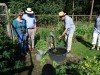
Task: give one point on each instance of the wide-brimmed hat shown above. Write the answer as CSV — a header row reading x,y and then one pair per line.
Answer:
x,y
29,11
62,13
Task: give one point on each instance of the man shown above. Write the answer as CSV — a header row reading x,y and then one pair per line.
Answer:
x,y
69,29
31,26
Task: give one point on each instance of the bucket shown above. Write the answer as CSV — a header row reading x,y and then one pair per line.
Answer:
x,y
59,55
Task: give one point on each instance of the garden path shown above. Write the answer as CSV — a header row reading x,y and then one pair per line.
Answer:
x,y
36,69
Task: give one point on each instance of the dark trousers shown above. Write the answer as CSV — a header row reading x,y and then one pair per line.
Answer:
x,y
22,43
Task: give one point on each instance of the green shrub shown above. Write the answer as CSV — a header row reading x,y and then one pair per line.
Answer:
x,y
84,30
19,64
89,66
45,20
7,52
41,45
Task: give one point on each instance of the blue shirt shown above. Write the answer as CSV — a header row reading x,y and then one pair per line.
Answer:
x,y
97,24
30,21
20,27
68,22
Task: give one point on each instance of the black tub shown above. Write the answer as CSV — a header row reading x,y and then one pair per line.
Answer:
x,y
59,55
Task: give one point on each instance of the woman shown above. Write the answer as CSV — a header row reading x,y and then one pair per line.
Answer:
x,y
19,26
96,33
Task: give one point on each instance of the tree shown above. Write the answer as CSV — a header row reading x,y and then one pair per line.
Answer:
x,y
91,10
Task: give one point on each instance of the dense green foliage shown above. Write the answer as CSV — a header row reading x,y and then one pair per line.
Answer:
x,y
8,59
39,6
84,30
53,7
87,66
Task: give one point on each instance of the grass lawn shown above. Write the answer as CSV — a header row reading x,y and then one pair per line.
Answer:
x,y
83,51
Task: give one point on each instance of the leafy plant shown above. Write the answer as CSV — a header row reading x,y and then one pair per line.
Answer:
x,y
7,52
41,45
19,64
84,30
89,66
2,65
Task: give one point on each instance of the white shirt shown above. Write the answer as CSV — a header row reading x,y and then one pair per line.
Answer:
x,y
30,21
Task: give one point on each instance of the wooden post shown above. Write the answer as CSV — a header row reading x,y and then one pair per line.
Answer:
x,y
76,19
91,11
73,10
8,26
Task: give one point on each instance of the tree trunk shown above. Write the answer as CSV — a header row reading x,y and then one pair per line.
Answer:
x,y
73,10
92,5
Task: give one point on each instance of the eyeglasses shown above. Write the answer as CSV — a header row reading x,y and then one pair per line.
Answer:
x,y
61,16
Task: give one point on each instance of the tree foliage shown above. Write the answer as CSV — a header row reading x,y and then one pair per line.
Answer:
x,y
54,6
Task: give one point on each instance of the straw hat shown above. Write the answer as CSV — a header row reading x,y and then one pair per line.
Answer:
x,y
62,13
29,11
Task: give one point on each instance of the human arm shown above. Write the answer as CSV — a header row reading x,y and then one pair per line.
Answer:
x,y
63,33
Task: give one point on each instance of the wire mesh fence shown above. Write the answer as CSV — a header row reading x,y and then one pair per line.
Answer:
x,y
47,20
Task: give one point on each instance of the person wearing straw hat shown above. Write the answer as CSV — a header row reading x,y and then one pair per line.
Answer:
x,y
69,29
31,26
19,27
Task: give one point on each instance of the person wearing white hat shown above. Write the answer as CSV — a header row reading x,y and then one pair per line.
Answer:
x,y
69,29
31,26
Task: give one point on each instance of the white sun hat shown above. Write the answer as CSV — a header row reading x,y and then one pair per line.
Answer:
x,y
62,13
29,11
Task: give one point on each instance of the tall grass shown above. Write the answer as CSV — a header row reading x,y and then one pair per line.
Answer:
x,y
84,30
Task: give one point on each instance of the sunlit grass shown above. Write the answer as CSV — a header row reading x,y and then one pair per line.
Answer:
x,y
81,50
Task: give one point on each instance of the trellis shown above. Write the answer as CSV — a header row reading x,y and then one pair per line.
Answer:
x,y
3,10
4,17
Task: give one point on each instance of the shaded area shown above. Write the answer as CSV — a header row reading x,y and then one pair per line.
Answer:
x,y
98,57
72,70
37,38
80,39
19,70
13,61
48,69
72,64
